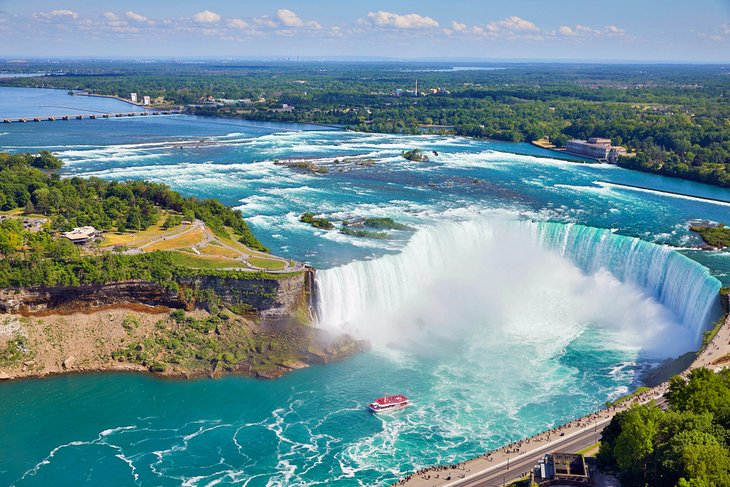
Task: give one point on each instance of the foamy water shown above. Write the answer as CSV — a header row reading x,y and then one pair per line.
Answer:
x,y
513,307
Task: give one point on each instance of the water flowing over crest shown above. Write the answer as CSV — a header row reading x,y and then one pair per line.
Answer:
x,y
679,283
543,282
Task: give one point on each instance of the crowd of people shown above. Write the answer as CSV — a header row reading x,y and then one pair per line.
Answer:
x,y
441,472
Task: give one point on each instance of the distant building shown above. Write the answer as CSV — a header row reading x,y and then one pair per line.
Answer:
x,y
133,97
596,148
146,101
82,235
562,469
284,108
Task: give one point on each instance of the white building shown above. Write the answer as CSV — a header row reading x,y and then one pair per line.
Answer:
x,y
82,235
146,100
596,148
133,97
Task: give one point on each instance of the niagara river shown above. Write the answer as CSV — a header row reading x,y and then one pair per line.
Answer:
x,y
531,291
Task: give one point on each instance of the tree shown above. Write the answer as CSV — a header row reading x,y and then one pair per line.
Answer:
x,y
704,391
635,444
63,250
41,198
698,455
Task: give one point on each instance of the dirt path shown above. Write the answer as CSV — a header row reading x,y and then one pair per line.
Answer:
x,y
210,237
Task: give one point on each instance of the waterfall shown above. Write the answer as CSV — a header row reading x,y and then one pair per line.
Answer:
x,y
679,283
365,290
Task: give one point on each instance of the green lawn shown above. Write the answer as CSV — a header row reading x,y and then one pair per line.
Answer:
x,y
199,262
269,264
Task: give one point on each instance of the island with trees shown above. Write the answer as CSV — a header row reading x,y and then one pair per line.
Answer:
x,y
717,236
107,275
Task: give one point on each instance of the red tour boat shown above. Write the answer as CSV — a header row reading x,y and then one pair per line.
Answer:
x,y
389,403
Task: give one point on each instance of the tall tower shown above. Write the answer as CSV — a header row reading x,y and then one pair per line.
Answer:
x,y
416,92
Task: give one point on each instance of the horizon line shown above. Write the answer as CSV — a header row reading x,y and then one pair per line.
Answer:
x,y
294,59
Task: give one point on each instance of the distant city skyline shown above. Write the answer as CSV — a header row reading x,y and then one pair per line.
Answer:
x,y
655,31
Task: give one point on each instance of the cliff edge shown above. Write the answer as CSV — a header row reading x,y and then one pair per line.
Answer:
x,y
252,324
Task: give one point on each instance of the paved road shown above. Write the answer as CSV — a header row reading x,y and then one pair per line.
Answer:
x,y
521,463
506,472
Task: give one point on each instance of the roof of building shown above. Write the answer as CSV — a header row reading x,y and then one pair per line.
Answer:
x,y
80,233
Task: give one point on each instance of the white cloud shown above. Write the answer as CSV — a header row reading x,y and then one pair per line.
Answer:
x,y
125,28
587,30
512,24
725,28
511,28
407,21
578,31
111,16
134,16
237,24
287,18
206,17
458,26
57,14
566,31
266,22
613,30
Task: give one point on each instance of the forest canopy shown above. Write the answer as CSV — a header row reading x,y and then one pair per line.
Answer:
x,y
685,446
675,119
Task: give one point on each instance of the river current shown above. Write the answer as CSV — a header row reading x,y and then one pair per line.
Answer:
x,y
531,291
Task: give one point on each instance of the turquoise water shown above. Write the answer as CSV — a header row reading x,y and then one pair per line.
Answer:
x,y
496,323
30,102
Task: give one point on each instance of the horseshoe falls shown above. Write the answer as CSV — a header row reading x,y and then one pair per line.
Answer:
x,y
674,280
508,268
533,291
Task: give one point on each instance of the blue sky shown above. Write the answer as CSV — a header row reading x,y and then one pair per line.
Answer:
x,y
635,30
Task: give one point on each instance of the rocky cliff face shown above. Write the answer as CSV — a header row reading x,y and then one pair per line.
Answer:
x,y
270,298
37,299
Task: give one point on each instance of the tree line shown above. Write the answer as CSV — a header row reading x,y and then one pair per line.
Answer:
x,y
26,182
38,257
674,117
684,446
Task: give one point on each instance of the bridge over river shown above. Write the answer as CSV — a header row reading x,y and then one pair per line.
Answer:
x,y
88,116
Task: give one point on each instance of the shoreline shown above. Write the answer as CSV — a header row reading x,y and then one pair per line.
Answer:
x,y
552,148
491,462
119,98
89,340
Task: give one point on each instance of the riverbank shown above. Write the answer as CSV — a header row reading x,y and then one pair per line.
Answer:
x,y
164,342
127,101
514,461
543,144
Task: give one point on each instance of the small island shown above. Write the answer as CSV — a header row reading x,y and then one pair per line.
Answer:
x,y
316,222
717,237
415,155
387,224
377,226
